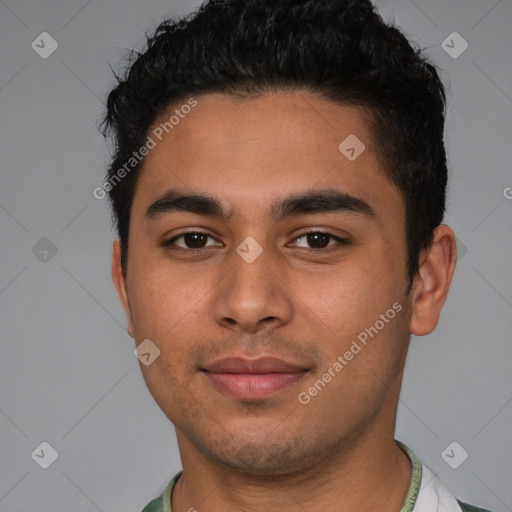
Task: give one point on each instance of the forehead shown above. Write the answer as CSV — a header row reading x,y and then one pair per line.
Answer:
x,y
249,151
275,123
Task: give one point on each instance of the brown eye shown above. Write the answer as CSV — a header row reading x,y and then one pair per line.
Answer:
x,y
192,240
195,240
317,240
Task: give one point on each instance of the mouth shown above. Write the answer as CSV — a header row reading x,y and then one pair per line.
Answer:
x,y
247,379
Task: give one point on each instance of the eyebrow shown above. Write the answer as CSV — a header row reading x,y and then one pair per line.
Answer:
x,y
323,201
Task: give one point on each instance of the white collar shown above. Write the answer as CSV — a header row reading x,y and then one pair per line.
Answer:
x,y
434,496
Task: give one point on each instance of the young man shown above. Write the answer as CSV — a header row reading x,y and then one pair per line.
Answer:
x,y
278,187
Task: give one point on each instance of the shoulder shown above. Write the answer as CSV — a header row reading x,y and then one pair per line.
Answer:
x,y
163,502
154,505
471,508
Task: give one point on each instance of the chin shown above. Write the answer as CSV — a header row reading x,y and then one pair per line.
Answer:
x,y
258,454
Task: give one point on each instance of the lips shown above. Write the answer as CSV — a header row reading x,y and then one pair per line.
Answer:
x,y
260,365
253,379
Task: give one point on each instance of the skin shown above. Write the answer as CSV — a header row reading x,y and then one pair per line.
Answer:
x,y
302,306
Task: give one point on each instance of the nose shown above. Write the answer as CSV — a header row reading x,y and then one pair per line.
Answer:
x,y
254,295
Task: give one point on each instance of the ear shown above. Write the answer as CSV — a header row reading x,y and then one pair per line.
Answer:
x,y
432,282
120,283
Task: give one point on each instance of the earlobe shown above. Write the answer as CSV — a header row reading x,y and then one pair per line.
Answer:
x,y
119,280
432,283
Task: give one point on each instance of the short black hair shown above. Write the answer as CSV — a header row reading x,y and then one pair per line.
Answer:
x,y
341,50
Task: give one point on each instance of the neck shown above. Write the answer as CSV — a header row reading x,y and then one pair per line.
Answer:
x,y
373,473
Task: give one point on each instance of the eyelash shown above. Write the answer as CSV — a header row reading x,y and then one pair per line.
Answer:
x,y
169,243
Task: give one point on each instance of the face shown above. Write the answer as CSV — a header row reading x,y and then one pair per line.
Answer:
x,y
299,253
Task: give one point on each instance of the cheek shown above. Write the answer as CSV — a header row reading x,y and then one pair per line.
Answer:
x,y
164,313
345,302
342,292
160,297
165,380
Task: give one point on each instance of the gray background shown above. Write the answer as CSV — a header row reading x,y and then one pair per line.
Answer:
x,y
67,369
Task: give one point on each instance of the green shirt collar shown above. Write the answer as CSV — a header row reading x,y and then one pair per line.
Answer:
x,y
414,485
